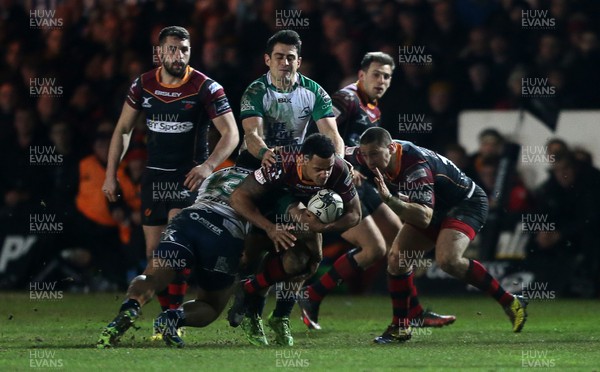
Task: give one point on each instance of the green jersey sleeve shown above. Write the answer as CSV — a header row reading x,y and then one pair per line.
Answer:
x,y
252,100
323,107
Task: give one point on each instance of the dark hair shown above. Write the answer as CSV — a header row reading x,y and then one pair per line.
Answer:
x,y
318,144
491,133
379,57
377,135
558,141
176,31
287,37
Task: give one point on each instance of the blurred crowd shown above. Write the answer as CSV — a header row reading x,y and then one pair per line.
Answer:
x,y
62,88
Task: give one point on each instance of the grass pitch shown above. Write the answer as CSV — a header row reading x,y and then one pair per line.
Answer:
x,y
61,334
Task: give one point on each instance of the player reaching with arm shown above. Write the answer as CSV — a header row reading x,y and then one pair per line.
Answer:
x,y
277,107
355,107
275,111
207,238
440,206
299,173
173,98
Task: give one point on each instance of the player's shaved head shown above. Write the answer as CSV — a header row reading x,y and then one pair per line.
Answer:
x,y
376,135
176,31
379,57
287,37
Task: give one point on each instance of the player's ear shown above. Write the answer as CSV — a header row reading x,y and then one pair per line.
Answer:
x,y
267,59
361,75
299,61
392,148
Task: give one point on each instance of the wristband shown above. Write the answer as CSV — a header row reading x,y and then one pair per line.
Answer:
x,y
261,152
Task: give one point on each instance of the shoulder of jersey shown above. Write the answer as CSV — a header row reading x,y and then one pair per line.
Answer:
x,y
257,86
148,77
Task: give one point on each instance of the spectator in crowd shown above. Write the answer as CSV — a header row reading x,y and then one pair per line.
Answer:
x,y
569,241
99,231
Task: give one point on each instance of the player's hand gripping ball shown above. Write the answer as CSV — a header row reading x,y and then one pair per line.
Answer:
x,y
327,205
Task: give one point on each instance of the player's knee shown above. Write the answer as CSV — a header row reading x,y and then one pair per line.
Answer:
x,y
295,262
375,252
449,264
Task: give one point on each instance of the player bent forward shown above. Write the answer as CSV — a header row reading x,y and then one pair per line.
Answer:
x,y
440,206
207,237
299,173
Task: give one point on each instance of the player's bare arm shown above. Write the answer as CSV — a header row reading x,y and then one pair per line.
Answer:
x,y
328,127
243,201
253,130
414,213
226,126
124,126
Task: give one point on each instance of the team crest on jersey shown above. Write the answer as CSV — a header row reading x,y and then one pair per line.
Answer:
x,y
305,113
146,102
246,106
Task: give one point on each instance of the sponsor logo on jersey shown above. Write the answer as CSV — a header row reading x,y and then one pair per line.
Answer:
x,y
284,100
167,94
260,178
419,173
221,105
213,87
169,126
188,105
324,96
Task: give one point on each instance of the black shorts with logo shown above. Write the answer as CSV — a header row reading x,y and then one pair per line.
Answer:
x,y
369,198
205,242
468,216
161,192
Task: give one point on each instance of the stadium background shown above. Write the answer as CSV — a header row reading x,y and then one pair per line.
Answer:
x,y
66,66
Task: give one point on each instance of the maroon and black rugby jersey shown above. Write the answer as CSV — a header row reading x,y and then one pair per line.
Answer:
x,y
287,172
354,113
425,176
177,116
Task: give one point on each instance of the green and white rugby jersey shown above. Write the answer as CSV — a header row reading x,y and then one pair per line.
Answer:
x,y
215,191
285,114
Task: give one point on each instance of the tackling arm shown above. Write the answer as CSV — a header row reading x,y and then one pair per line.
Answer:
x,y
328,127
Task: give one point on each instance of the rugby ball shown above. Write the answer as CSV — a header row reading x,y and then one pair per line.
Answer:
x,y
327,205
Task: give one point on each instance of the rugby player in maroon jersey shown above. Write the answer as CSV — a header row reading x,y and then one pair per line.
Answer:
x,y
177,101
355,108
440,207
300,172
